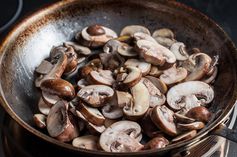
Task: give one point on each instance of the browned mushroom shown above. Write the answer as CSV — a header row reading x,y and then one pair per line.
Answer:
x,y
158,83
162,117
199,113
123,98
183,119
185,136
131,29
133,77
59,87
121,137
189,94
156,143
101,77
94,64
86,142
96,95
211,78
142,65
191,126
40,120
59,124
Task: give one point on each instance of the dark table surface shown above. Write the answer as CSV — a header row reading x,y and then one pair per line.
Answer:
x,y
224,12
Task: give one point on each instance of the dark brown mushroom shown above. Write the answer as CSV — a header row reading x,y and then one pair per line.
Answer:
x,y
94,64
190,126
199,113
156,143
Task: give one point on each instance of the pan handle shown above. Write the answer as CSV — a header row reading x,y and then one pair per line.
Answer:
x,y
225,132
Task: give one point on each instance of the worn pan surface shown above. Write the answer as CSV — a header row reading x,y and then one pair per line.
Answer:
x,y
30,42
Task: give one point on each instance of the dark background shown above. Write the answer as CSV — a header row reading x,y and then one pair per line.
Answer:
x,y
224,12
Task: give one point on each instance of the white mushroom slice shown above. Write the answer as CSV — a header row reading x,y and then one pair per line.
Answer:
x,y
155,53
59,124
156,97
93,115
185,136
173,75
179,50
142,65
126,50
88,142
80,50
166,42
163,32
155,71
191,126
102,77
131,29
140,104
143,36
184,95
121,137
133,77
123,98
96,95
49,99
158,83
111,110
44,68
95,129
82,83
40,120
43,107
163,118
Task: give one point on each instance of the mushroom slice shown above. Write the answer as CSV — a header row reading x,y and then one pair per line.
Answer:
x,y
59,87
158,83
133,77
156,97
185,93
131,29
155,71
49,100
121,137
88,142
80,50
183,119
82,83
96,95
166,42
173,75
109,122
191,126
148,127
72,61
155,53
111,110
93,115
43,107
211,78
95,36
185,136
163,32
201,68
126,50
156,143
179,50
94,64
102,77
143,66
123,98
40,120
59,124
143,36
199,113
162,117
44,68
140,104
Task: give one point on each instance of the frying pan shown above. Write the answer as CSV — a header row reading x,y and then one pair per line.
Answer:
x,y
31,40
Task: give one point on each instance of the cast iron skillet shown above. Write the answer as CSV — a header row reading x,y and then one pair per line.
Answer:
x,y
30,42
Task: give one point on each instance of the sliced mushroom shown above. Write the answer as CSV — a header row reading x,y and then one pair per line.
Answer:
x,y
143,66
155,53
166,42
111,110
199,113
80,50
133,77
162,117
173,75
82,83
140,104
126,50
72,60
95,129
155,71
192,92
44,68
96,95
143,36
86,142
43,107
183,119
156,97
158,83
101,77
179,50
49,100
163,32
59,124
202,66
185,136
191,126
211,78
59,87
93,115
40,120
94,64
156,143
131,29
121,137
109,122
123,98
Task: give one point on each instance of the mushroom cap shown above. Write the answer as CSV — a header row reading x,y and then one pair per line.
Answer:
x,y
95,95
162,117
199,113
142,65
59,87
190,91
133,77
191,126
121,137
86,142
179,51
131,29
140,104
156,143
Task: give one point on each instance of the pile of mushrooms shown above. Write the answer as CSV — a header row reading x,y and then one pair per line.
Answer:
x,y
108,92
